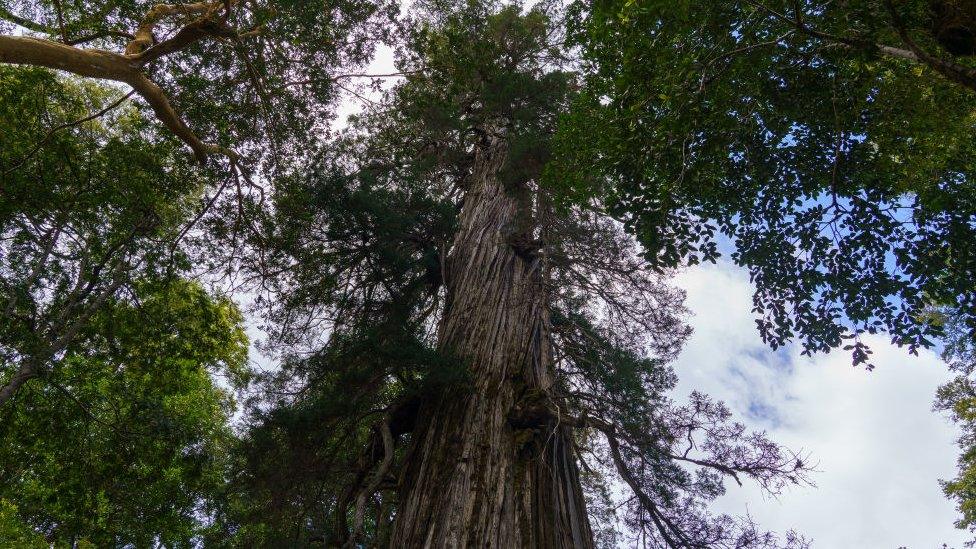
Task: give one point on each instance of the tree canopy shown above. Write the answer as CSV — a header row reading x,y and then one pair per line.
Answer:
x,y
226,78
830,144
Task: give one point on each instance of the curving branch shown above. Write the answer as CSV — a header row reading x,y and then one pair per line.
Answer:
x,y
26,372
104,65
144,38
97,36
672,534
357,524
192,32
128,68
955,72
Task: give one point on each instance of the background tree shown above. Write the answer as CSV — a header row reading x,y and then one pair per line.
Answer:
x,y
87,208
127,442
113,430
958,398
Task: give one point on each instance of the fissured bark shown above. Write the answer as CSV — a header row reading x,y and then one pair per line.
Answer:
x,y
473,476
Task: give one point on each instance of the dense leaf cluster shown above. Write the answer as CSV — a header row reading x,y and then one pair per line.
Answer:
x,y
126,442
841,174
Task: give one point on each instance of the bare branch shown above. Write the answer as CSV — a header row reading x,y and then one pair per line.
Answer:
x,y
143,38
192,32
370,488
140,51
672,535
24,22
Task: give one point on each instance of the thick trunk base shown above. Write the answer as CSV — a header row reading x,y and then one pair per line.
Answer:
x,y
475,477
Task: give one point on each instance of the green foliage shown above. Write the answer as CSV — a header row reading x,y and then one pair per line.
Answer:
x,y
507,79
51,163
841,175
85,209
14,531
352,242
127,442
958,399
113,170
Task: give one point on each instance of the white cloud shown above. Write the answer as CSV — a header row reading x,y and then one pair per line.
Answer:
x,y
879,448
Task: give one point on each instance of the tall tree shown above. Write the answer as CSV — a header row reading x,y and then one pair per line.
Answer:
x,y
482,339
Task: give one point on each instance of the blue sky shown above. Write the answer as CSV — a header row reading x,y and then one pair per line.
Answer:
x,y
879,448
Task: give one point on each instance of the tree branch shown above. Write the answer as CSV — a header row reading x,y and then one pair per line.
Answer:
x,y
955,72
672,535
24,22
144,39
26,372
127,68
105,65
192,32
368,490
96,35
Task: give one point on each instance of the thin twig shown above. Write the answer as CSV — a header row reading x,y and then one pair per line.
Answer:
x,y
64,126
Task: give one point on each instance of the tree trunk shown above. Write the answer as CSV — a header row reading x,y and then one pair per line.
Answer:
x,y
474,476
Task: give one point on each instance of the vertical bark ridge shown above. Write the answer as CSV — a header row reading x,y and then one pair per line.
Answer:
x,y
472,479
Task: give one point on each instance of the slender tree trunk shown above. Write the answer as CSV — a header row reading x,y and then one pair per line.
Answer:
x,y
475,477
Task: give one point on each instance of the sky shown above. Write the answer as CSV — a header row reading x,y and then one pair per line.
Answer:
x,y
878,447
